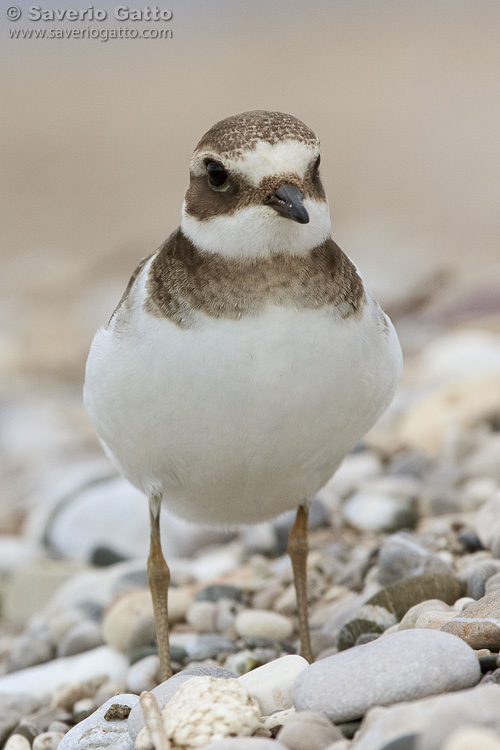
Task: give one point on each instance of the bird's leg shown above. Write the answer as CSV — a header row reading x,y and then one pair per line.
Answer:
x,y
297,549
159,581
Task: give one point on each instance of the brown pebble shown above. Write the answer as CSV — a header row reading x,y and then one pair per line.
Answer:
x,y
117,711
483,652
479,624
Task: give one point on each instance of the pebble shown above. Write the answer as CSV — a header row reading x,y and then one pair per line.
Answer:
x,y
206,708
369,620
492,584
209,646
17,742
307,730
47,741
44,678
479,624
374,511
96,731
430,605
165,690
202,615
400,596
477,491
463,603
382,725
346,685
29,587
484,461
271,685
217,591
84,636
478,576
495,545
404,742
355,469
463,403
242,661
401,556
487,521
32,647
143,674
83,708
255,623
131,615
434,620
265,597
472,738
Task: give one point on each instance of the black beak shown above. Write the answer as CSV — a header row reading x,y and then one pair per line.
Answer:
x,y
287,201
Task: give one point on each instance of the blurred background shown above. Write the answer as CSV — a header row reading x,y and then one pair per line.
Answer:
x,y
96,139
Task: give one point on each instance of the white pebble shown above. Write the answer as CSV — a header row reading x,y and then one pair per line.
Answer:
x,y
462,603
271,685
17,742
202,616
142,675
258,623
47,741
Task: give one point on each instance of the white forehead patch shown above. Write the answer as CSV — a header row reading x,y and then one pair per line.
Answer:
x,y
267,159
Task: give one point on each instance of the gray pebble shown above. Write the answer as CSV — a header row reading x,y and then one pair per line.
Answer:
x,y
82,637
371,620
307,730
433,717
218,591
401,556
346,685
12,707
377,511
405,742
97,732
476,580
492,584
31,648
209,646
143,674
495,545
165,690
411,463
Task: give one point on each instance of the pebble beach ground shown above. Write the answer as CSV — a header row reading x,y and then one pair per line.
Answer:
x,y
404,579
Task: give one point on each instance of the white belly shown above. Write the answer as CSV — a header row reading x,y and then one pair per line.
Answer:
x,y
238,421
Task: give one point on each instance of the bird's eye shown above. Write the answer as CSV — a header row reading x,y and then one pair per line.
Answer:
x,y
217,175
316,165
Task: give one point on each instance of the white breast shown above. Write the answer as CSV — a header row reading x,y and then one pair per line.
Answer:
x,y
238,421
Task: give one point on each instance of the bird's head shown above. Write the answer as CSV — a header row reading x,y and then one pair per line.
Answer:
x,y
255,188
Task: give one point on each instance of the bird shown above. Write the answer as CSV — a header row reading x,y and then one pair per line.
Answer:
x,y
246,357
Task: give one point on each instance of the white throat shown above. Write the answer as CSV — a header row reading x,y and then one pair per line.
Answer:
x,y
258,231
